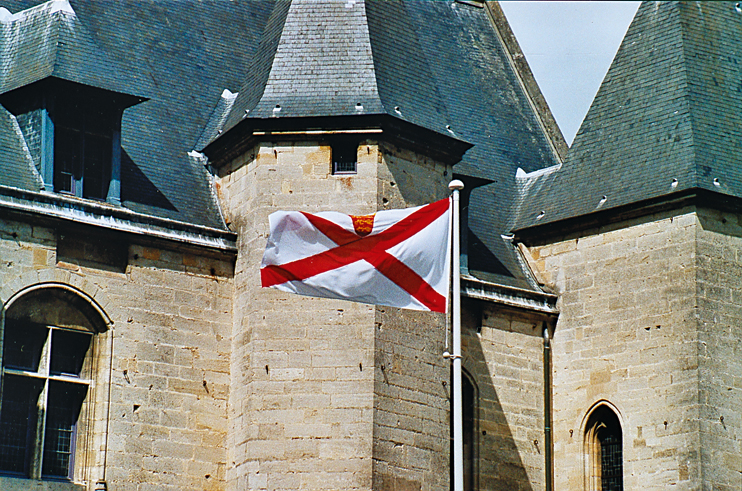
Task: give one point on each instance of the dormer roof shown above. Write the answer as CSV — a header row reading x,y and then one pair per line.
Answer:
x,y
47,41
447,72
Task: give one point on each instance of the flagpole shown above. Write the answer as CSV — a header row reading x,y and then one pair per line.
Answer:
x,y
458,441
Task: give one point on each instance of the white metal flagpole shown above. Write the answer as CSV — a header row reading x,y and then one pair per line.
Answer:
x,y
458,440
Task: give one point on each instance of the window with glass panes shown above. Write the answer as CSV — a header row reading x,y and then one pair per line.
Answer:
x,y
83,142
604,449
344,157
46,378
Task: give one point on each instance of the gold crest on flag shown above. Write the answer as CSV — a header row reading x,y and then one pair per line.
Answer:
x,y
363,224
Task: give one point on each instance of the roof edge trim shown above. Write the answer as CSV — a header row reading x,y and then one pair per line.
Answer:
x,y
118,219
541,302
688,197
523,175
241,137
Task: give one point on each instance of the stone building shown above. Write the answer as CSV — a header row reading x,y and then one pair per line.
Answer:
x,y
144,144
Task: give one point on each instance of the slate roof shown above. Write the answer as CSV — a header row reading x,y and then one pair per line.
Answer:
x,y
439,65
205,67
49,40
666,119
173,53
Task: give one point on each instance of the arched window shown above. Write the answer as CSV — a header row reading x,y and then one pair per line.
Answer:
x,y
468,413
48,346
604,450
469,402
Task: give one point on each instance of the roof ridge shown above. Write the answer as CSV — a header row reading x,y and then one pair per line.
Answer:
x,y
522,69
686,89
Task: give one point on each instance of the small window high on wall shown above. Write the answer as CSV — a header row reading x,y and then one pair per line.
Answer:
x,y
344,156
604,450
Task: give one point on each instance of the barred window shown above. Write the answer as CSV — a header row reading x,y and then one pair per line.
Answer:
x,y
344,157
46,378
604,450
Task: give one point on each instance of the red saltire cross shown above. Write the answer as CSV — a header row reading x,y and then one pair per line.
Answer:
x,y
372,249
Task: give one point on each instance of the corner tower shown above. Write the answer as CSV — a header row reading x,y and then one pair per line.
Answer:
x,y
638,232
354,106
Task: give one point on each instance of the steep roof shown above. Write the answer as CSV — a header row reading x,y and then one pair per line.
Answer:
x,y
449,67
49,41
451,70
666,119
173,53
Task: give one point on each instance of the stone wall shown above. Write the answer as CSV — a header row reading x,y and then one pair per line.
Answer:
x,y
161,382
302,367
503,353
719,290
311,406
627,335
411,429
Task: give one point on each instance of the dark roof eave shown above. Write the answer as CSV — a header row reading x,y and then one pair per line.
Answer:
x,y
243,136
11,98
541,233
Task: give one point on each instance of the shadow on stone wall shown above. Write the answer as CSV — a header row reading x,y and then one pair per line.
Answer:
x,y
499,463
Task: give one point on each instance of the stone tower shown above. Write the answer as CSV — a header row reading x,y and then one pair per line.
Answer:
x,y
143,146
639,234
327,394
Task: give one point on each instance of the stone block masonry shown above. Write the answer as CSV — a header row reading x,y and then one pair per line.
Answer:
x,y
646,317
503,354
310,405
158,408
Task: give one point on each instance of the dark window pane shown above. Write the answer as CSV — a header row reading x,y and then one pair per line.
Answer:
x,y
97,121
67,159
468,407
22,346
344,157
18,422
97,166
63,409
611,459
68,352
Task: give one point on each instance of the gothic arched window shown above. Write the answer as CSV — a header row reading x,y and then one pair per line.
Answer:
x,y
469,430
469,403
604,450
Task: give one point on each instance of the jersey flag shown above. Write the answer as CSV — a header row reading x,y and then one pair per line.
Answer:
x,y
397,258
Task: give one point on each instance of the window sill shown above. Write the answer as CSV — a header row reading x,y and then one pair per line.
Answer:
x,y
21,484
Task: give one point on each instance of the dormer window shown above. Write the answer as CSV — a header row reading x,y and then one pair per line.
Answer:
x,y
83,150
73,133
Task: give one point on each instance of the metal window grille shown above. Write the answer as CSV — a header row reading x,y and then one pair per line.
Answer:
x,y
344,158
604,445
611,462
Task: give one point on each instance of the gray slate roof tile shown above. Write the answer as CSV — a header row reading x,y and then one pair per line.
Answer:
x,y
441,63
667,109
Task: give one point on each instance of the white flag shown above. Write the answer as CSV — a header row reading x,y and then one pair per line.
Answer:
x,y
398,258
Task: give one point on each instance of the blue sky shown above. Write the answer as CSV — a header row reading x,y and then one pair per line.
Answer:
x,y
569,47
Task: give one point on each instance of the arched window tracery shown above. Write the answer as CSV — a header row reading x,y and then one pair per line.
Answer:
x,y
604,450
48,359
